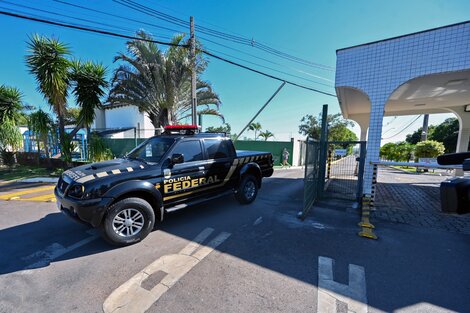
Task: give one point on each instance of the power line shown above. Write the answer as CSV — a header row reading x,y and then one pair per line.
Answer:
x,y
211,32
118,16
263,59
64,15
205,39
103,32
404,128
92,30
267,75
272,69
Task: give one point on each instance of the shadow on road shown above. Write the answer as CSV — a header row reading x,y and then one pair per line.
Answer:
x,y
268,234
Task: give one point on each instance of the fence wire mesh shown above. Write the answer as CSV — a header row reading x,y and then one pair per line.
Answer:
x,y
345,167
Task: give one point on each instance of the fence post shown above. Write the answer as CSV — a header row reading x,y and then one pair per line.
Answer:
x,y
360,174
323,149
330,157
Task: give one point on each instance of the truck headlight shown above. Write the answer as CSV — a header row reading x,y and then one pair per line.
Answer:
x,y
76,191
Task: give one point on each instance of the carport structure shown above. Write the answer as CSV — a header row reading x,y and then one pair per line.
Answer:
x,y
419,73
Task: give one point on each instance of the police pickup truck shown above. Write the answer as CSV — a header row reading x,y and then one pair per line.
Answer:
x,y
181,167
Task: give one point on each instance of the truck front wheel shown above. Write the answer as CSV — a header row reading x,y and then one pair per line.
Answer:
x,y
128,221
247,190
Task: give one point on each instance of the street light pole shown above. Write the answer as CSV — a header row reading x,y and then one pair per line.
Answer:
x,y
192,43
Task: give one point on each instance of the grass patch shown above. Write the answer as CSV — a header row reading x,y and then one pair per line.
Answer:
x,y
21,172
412,169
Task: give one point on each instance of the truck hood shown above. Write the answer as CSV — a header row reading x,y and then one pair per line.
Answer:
x,y
88,172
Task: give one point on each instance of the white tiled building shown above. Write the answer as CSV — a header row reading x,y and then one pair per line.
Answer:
x,y
424,72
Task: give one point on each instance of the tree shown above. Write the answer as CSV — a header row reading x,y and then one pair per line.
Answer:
x,y
42,125
255,127
415,137
429,149
10,114
447,132
398,152
88,86
48,62
55,74
266,135
71,116
159,82
225,128
337,127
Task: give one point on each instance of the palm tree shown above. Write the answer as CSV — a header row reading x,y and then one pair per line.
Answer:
x,y
266,135
256,127
42,125
159,83
10,114
89,83
48,62
55,74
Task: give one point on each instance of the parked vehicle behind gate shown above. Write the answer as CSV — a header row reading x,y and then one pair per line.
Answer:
x,y
165,173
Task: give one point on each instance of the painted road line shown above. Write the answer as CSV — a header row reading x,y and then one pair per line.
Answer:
x,y
13,195
330,291
50,253
134,296
44,198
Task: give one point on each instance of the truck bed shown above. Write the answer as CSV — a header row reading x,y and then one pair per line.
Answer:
x,y
246,153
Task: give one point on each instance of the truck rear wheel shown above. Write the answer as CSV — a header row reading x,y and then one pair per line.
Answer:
x,y
128,221
247,190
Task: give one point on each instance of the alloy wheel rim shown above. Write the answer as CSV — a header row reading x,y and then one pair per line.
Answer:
x,y
128,222
249,189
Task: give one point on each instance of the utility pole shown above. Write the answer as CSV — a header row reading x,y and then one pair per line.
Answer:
x,y
192,53
424,133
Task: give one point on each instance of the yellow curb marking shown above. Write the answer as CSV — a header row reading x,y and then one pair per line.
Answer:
x,y
15,195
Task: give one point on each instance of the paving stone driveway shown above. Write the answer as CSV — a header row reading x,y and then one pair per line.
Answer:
x,y
414,199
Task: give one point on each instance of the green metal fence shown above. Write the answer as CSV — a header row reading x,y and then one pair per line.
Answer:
x,y
345,170
275,147
120,146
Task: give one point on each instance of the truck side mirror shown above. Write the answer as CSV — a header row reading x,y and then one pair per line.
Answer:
x,y
177,158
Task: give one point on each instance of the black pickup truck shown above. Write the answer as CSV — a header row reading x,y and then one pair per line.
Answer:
x,y
165,173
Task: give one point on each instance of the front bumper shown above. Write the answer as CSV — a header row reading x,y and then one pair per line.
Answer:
x,y
85,211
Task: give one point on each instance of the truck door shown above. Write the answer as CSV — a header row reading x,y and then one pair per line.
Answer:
x,y
220,167
184,180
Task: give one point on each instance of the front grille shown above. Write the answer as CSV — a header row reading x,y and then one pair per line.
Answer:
x,y
62,185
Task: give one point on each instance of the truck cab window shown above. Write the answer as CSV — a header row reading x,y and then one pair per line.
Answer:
x,y
217,149
191,150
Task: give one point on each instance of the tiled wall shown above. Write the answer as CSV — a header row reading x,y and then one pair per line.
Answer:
x,y
379,68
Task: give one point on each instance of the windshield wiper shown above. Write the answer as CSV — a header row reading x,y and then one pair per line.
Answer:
x,y
136,158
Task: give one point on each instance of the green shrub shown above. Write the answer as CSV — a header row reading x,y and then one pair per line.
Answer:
x,y
429,149
99,151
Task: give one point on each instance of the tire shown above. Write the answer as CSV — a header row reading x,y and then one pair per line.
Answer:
x,y
247,189
128,221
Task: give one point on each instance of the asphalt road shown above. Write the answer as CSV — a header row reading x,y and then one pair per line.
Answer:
x,y
266,261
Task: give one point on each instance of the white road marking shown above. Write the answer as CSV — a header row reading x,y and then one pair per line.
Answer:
x,y
53,251
258,221
329,291
131,297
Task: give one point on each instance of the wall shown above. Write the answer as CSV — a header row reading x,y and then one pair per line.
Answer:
x,y
275,147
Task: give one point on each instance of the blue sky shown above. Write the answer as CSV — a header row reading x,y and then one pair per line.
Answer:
x,y
311,30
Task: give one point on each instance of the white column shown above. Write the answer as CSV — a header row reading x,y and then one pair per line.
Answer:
x,y
374,139
363,121
464,132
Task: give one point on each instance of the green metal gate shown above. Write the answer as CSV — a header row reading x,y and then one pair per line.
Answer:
x,y
345,170
343,178
312,180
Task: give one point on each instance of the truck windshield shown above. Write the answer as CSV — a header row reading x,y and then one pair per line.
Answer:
x,y
152,150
